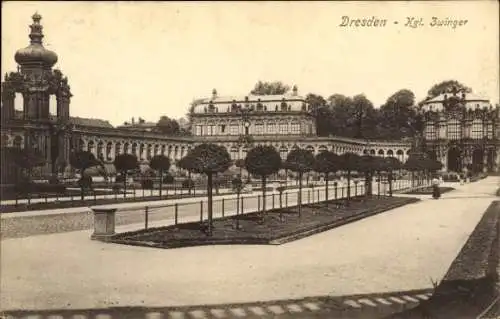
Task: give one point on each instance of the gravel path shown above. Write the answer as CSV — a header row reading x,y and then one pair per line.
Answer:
x,y
399,250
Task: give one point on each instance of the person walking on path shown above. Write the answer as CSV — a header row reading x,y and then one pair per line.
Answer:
x,y
435,188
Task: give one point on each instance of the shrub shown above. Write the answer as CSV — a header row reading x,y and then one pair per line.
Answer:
x,y
188,183
117,188
53,180
147,184
169,179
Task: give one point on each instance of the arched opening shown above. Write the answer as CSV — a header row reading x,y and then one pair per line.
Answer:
x,y
81,145
372,152
283,153
100,150
365,152
491,160
19,102
390,153
477,160
109,147
234,153
322,149
381,152
53,106
149,152
310,149
91,147
141,152
454,160
118,149
400,154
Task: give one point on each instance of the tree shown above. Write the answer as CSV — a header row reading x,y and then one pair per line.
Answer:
x,y
391,164
168,126
125,163
208,159
83,160
270,88
326,162
240,163
237,184
263,161
414,163
315,101
396,115
446,86
300,161
160,163
367,165
348,163
364,117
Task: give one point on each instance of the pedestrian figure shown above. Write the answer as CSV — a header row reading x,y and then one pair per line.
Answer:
x,y
435,188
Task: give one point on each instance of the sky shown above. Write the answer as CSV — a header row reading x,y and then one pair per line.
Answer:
x,y
147,59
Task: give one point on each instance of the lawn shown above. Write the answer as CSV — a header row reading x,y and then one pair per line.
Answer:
x,y
274,227
428,191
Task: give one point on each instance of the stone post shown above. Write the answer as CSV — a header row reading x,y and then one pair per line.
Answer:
x,y
104,223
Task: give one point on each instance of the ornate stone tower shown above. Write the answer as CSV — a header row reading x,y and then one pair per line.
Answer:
x,y
36,81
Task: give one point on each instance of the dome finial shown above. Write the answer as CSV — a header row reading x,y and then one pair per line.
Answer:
x,y
36,34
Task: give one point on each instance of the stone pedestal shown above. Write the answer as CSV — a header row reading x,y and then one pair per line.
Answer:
x,y
104,223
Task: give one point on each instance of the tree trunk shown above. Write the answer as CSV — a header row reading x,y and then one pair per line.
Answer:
x,y
326,188
378,183
299,198
125,184
263,197
348,185
389,176
209,195
237,209
189,184
161,181
82,193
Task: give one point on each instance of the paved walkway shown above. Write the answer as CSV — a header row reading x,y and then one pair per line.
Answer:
x,y
403,249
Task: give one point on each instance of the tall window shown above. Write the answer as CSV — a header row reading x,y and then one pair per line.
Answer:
x,y
199,130
271,128
259,129
234,153
295,128
234,129
477,129
489,130
430,131
211,130
283,153
454,130
283,128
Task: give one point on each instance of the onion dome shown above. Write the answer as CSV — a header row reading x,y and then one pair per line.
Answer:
x,y
35,54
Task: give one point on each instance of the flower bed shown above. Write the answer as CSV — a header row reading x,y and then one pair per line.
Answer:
x,y
274,227
428,191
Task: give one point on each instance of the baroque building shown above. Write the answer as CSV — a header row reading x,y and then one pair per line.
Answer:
x,y
461,130
237,123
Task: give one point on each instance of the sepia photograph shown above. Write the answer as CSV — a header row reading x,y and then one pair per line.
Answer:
x,y
240,159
